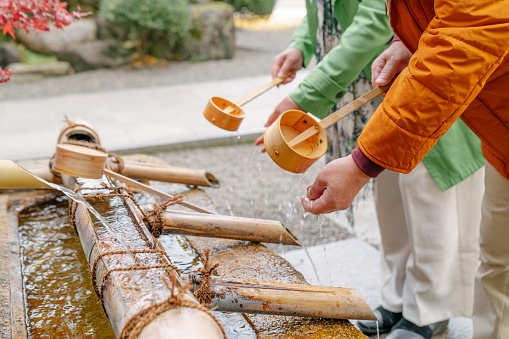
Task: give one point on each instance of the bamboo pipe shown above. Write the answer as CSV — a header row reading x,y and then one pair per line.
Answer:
x,y
340,114
118,299
13,176
180,175
83,162
229,227
260,297
152,190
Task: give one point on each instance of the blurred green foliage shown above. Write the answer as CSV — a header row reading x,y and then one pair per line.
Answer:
x,y
84,5
256,7
148,22
31,57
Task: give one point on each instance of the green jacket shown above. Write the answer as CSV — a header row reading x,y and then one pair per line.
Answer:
x,y
366,33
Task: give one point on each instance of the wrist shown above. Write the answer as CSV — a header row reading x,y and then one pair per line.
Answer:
x,y
367,166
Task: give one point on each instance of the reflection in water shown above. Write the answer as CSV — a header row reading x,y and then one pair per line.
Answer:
x,y
59,296
60,300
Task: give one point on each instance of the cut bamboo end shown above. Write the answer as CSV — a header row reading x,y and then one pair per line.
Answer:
x,y
229,227
224,114
300,157
13,176
78,129
179,175
79,161
236,295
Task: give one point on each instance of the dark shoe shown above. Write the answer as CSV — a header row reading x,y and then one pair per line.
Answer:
x,y
404,329
386,320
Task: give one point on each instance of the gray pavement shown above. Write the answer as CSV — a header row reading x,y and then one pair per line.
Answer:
x,y
160,108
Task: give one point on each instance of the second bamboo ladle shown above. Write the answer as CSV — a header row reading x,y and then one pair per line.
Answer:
x,y
228,115
83,162
296,140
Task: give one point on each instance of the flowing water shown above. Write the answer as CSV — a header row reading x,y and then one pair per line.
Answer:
x,y
59,296
60,300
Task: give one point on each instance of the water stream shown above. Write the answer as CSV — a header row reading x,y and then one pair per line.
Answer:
x,y
59,296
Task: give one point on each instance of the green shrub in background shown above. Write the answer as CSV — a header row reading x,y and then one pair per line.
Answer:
x,y
84,5
257,7
148,22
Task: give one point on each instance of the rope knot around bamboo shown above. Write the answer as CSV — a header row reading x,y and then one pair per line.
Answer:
x,y
137,323
153,220
203,292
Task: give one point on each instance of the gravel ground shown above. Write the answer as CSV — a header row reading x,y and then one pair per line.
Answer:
x,y
251,184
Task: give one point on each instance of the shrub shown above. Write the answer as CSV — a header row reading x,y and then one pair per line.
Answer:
x,y
148,21
257,7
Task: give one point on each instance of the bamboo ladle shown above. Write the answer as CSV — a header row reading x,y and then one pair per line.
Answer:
x,y
295,140
83,162
228,115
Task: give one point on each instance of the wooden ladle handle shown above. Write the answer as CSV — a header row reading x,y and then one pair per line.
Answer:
x,y
263,89
152,190
258,92
340,114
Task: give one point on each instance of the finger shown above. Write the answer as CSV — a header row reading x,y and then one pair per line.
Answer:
x,y
276,65
259,141
289,78
273,117
376,69
388,72
318,206
316,190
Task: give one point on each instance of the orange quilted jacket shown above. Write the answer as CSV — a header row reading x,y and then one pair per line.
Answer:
x,y
460,68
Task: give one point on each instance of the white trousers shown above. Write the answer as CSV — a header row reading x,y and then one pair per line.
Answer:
x,y
491,307
429,244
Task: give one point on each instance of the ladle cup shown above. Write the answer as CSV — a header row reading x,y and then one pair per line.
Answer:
x,y
296,140
83,162
228,115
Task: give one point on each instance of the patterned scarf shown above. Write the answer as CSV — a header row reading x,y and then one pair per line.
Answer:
x,y
342,136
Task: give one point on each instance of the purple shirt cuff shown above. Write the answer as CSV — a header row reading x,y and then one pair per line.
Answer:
x,y
367,166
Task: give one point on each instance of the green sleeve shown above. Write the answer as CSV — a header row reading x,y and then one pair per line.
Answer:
x,y
303,41
361,42
455,156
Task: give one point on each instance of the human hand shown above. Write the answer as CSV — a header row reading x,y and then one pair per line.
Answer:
x,y
289,60
286,104
335,187
391,62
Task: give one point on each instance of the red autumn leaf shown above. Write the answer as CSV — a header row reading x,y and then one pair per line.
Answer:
x,y
33,14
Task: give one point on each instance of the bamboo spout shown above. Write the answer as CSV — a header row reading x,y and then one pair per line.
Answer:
x,y
260,297
14,177
229,227
180,175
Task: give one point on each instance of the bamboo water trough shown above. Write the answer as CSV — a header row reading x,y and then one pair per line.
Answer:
x,y
107,258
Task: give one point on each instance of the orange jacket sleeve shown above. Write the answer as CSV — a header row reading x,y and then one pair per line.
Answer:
x,y
464,44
